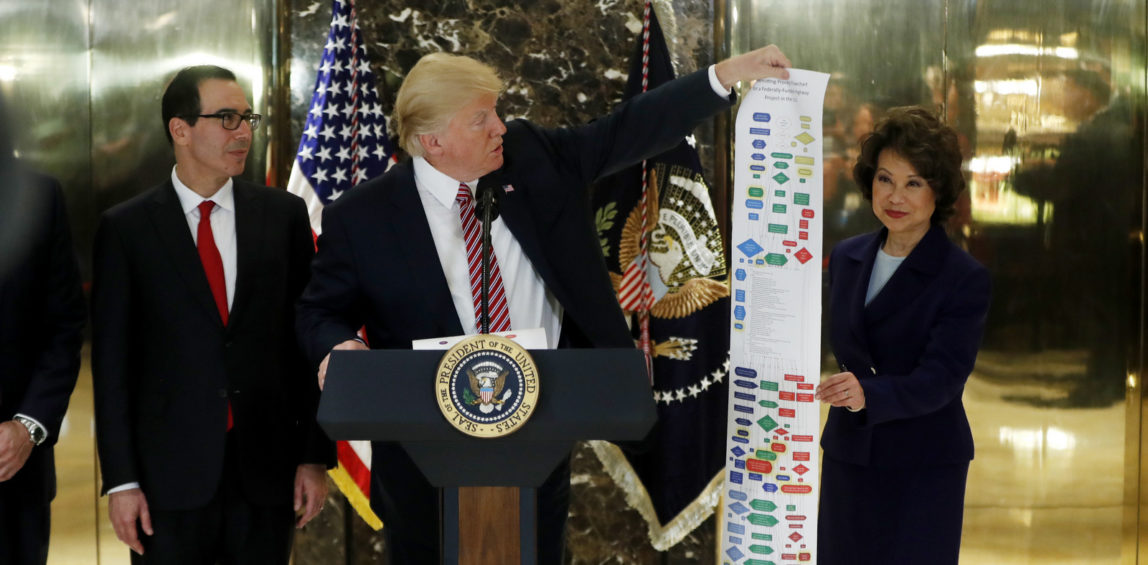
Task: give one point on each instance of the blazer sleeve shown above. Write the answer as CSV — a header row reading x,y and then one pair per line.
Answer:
x,y
641,127
326,314
950,354
62,318
315,446
111,313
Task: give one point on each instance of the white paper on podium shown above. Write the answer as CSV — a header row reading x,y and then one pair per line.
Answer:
x,y
532,338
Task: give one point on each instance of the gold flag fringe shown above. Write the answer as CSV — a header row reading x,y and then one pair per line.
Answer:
x,y
355,496
662,537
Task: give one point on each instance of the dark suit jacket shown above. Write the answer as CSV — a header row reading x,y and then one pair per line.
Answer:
x,y
912,349
377,265
165,367
41,315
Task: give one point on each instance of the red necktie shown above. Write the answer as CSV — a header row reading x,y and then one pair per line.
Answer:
x,y
213,267
472,233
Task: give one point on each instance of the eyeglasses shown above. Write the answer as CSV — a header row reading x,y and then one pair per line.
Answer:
x,y
231,120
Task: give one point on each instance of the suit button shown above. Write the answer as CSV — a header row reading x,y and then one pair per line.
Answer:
x,y
228,344
223,393
873,370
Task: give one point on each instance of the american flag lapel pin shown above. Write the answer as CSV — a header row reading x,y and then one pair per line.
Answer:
x,y
508,188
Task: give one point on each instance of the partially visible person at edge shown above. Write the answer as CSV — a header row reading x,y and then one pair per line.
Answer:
x,y
907,312
393,257
41,330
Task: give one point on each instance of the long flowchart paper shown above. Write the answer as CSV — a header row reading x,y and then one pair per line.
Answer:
x,y
770,506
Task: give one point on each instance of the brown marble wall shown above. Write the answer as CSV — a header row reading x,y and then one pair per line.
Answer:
x,y
565,63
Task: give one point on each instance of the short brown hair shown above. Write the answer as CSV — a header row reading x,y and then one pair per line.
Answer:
x,y
434,89
930,146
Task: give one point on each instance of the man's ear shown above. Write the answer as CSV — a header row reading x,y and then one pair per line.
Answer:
x,y
431,143
179,129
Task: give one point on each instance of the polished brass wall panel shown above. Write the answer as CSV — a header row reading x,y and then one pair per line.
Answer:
x,y
1048,99
136,48
44,80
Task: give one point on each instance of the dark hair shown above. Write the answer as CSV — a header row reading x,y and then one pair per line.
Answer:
x,y
181,98
931,147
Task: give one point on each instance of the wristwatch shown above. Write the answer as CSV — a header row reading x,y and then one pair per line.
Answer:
x,y
35,431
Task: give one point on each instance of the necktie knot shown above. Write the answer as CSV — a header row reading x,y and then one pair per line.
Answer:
x,y
205,208
463,197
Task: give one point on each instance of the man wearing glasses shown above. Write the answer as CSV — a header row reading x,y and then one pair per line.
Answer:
x,y
205,409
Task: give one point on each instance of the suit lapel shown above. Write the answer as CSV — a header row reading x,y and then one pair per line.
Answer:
x,y
250,231
912,277
413,237
170,224
520,221
862,259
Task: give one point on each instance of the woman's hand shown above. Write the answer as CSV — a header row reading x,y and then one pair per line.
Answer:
x,y
842,389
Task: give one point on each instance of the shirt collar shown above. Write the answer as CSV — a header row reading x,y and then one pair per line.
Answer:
x,y
189,199
437,184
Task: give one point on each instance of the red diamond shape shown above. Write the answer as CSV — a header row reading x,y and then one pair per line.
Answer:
x,y
804,255
795,536
801,469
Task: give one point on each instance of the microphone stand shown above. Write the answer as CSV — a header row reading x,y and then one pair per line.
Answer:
x,y
487,201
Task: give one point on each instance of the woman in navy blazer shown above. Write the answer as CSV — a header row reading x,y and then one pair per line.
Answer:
x,y
907,311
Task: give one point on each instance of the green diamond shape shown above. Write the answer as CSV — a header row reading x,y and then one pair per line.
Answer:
x,y
780,178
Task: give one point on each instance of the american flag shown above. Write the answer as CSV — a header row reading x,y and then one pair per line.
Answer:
x,y
344,143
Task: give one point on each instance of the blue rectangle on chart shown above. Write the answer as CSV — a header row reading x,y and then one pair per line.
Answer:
x,y
739,463
761,116
735,528
744,396
739,295
735,477
759,131
754,217
754,203
742,409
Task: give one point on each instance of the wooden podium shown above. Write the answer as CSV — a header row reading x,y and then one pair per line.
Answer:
x,y
488,502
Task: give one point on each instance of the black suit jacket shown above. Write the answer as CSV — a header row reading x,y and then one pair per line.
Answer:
x,y
165,367
912,349
377,266
41,315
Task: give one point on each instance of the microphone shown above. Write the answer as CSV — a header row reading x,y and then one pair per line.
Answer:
x,y
487,195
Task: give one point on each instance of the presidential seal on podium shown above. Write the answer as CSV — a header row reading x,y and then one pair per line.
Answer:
x,y
487,386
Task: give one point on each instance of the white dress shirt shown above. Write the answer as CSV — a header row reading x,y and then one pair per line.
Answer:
x,y
222,227
531,304
222,224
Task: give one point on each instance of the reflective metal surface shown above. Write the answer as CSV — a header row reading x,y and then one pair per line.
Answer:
x,y
136,48
1049,100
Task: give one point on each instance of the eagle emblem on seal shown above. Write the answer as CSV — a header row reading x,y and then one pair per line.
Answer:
x,y
487,381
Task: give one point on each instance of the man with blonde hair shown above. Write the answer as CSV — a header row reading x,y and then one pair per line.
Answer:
x,y
393,256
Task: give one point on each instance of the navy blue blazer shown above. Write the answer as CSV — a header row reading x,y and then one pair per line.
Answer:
x,y
42,316
377,266
912,349
165,368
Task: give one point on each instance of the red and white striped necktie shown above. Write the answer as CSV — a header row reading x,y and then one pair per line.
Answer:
x,y
472,233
